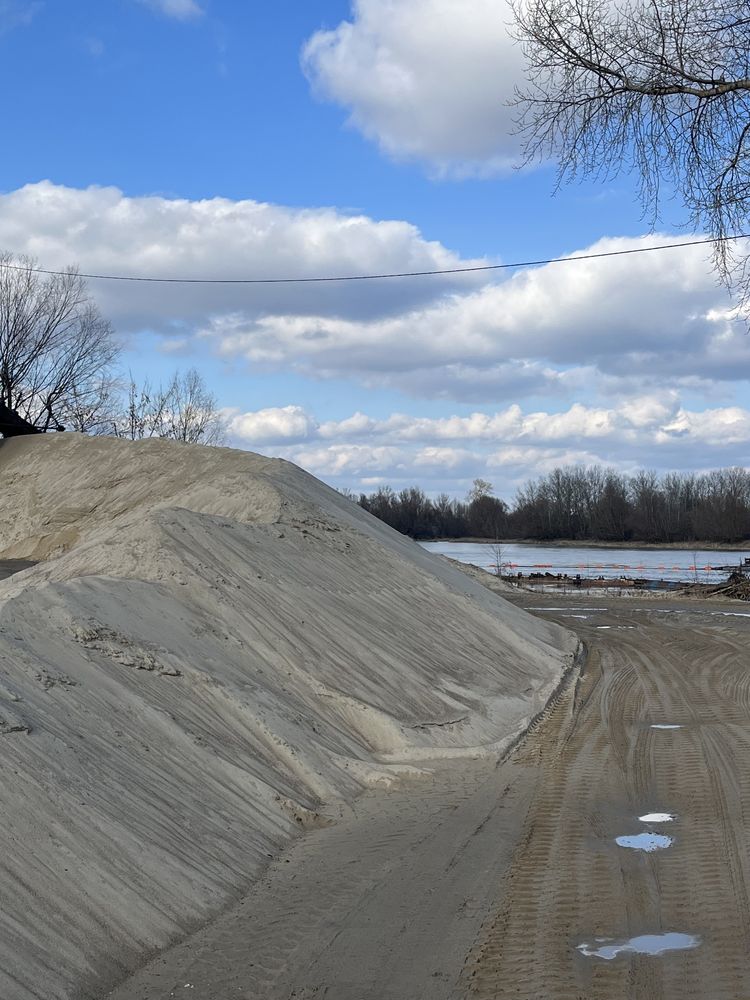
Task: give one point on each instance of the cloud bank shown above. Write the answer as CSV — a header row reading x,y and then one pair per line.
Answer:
x,y
565,330
634,359
507,446
548,330
428,80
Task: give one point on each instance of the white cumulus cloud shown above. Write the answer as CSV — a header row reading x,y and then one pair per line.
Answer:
x,y
427,79
549,330
181,10
105,231
274,424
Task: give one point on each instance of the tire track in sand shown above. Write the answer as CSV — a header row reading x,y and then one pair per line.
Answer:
x,y
570,883
517,866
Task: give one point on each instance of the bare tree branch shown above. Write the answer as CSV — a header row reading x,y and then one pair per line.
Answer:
x,y
55,347
183,411
657,87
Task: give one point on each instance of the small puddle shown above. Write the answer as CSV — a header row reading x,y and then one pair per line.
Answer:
x,y
643,944
657,818
647,842
665,725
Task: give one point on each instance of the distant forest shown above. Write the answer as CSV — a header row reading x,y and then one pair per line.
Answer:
x,y
581,504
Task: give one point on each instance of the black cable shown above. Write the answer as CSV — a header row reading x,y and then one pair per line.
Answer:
x,y
373,277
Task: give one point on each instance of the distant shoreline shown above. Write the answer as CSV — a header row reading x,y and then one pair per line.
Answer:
x,y
565,543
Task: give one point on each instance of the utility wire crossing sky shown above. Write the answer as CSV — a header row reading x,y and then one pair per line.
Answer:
x,y
373,277
304,156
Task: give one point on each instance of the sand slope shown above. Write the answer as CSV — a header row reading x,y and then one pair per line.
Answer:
x,y
214,646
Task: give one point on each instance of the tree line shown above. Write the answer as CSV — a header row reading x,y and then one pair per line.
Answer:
x,y
581,504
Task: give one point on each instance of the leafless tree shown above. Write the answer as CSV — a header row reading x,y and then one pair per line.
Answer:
x,y
480,488
193,411
694,567
486,515
185,410
93,409
141,412
498,554
55,346
660,87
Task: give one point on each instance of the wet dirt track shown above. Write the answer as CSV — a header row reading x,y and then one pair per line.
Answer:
x,y
600,767
483,882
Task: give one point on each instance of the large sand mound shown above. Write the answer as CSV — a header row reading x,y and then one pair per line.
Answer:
x,y
214,649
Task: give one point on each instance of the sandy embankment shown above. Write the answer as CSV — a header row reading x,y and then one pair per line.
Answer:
x,y
215,649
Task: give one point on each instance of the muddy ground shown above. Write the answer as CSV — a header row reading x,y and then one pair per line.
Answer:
x,y
482,881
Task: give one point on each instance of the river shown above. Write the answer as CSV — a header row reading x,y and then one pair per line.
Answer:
x,y
702,565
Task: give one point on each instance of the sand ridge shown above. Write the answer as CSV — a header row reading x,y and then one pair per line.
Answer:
x,y
215,651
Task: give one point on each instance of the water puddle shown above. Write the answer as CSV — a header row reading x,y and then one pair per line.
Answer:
x,y
642,944
647,842
657,818
665,725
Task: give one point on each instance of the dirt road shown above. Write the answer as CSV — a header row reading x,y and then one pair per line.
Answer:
x,y
483,882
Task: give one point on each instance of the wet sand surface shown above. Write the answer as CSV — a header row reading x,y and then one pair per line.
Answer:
x,y
508,881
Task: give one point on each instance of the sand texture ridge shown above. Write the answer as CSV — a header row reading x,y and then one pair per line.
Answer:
x,y
213,651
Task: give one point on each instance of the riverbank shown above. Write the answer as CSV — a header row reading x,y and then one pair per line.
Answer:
x,y
568,564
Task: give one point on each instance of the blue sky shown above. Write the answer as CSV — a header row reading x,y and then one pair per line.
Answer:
x,y
209,137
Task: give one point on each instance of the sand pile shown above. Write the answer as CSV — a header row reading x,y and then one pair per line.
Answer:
x,y
214,651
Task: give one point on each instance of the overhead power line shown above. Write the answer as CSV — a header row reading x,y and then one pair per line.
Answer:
x,y
374,277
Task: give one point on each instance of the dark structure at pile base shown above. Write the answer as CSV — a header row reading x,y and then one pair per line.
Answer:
x,y
11,425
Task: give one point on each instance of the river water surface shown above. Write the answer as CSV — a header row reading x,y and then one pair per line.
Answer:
x,y
656,564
